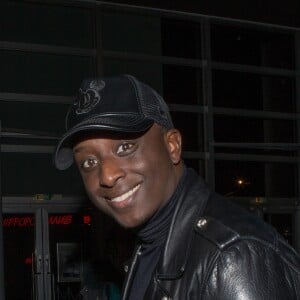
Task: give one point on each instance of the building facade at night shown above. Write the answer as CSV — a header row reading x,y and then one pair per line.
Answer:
x,y
230,76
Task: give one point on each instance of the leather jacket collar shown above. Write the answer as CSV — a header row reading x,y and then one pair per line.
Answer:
x,y
187,212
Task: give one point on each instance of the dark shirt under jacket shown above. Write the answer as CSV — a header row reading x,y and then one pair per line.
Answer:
x,y
151,238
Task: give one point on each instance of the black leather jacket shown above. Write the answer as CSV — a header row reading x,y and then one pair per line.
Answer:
x,y
216,250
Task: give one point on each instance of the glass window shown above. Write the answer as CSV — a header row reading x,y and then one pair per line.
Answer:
x,y
182,85
252,47
251,91
279,131
278,93
258,179
30,174
280,179
191,128
35,73
147,72
18,241
259,150
133,33
42,117
228,174
46,24
243,129
181,38
237,129
283,224
195,164
236,90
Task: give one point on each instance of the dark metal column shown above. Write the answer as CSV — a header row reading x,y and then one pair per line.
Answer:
x,y
42,266
208,104
2,291
296,229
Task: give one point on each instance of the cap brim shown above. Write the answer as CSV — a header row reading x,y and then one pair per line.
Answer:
x,y
63,156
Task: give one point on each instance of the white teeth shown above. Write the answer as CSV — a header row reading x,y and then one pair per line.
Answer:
x,y
126,195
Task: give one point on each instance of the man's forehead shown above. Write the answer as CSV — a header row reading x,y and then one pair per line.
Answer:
x,y
83,136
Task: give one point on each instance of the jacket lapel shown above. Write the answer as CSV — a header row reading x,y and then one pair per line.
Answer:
x,y
190,207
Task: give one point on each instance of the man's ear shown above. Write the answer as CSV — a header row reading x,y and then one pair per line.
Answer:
x,y
173,140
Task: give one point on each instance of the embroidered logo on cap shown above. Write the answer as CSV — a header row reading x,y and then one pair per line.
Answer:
x,y
87,99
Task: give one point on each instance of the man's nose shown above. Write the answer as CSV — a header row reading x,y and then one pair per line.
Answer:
x,y
110,172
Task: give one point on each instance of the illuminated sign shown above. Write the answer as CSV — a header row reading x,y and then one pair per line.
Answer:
x,y
28,221
18,222
60,220
87,220
28,261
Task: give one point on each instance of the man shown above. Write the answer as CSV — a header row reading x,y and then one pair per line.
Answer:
x,y
191,242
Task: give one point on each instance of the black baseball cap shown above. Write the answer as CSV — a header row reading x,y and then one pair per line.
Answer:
x,y
120,104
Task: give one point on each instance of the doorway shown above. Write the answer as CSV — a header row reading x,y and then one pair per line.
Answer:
x,y
18,239
62,251
44,254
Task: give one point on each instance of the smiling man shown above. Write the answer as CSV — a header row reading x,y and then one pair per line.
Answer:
x,y
191,243
130,176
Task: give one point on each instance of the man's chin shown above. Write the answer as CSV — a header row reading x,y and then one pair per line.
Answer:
x,y
130,223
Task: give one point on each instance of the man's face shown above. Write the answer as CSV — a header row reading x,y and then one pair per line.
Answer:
x,y
130,178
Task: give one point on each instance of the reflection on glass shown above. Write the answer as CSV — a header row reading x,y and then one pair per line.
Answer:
x,y
66,237
262,179
86,256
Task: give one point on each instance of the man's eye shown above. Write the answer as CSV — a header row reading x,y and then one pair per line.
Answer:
x,y
124,148
89,163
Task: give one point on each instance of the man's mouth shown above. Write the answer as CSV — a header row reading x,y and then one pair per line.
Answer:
x,y
125,195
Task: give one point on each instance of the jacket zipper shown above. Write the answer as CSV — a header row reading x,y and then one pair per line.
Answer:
x,y
130,271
